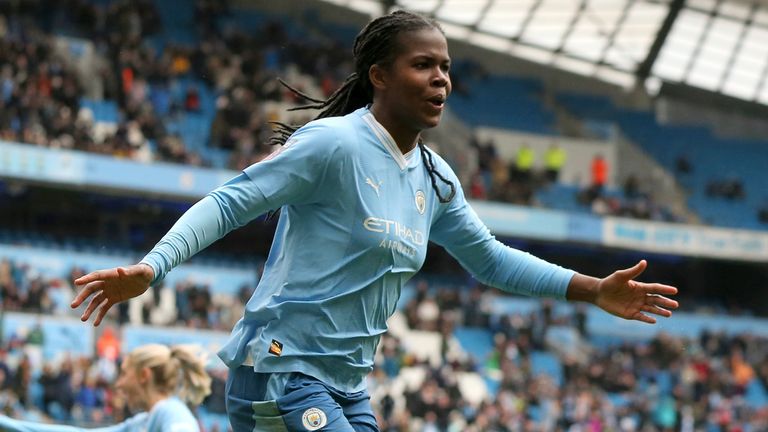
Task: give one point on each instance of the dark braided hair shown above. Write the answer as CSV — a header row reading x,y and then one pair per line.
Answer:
x,y
375,44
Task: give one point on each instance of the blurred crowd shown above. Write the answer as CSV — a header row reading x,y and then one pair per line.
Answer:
x,y
41,88
518,181
696,383
43,85
72,389
701,382
185,304
668,383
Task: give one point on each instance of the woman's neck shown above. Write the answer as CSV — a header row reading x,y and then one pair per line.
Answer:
x,y
154,398
405,137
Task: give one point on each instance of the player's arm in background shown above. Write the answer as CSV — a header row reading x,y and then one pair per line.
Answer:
x,y
7,424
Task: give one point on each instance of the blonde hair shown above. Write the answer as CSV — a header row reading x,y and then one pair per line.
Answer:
x,y
178,369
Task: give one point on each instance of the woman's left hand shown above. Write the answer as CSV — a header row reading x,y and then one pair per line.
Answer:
x,y
620,295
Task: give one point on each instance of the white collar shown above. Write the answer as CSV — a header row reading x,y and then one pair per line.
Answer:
x,y
389,143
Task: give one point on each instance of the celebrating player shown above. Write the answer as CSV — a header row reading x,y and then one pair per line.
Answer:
x,y
359,196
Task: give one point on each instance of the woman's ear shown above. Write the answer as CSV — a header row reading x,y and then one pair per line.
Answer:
x,y
377,76
144,375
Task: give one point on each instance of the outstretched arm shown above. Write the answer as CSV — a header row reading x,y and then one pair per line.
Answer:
x,y
289,177
464,235
8,424
228,207
620,295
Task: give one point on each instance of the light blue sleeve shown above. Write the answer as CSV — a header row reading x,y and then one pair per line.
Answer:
x,y
230,206
8,424
172,415
461,232
291,175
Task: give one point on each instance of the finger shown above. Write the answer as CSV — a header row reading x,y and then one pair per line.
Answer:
x,y
90,277
657,288
644,318
92,305
657,311
660,301
85,293
94,276
102,312
633,271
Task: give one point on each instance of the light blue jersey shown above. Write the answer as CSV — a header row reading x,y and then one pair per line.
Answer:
x,y
356,215
168,415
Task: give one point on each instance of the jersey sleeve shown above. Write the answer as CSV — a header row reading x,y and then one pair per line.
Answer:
x,y
7,424
296,172
461,232
230,206
292,175
177,419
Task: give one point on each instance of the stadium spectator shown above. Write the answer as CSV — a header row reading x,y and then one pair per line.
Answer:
x,y
762,212
632,187
192,100
554,159
477,189
599,170
523,166
683,164
592,195
731,188
158,382
398,90
108,344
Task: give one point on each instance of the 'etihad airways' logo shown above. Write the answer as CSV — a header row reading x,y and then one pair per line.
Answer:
x,y
386,226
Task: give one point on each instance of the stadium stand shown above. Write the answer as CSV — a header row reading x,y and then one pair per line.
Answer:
x,y
729,197
192,85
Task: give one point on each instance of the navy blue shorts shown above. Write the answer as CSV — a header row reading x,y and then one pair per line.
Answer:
x,y
293,402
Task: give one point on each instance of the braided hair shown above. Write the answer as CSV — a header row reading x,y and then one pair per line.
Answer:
x,y
375,44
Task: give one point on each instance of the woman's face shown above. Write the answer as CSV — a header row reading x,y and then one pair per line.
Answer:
x,y
413,89
131,385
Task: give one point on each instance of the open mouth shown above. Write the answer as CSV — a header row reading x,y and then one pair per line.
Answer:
x,y
437,101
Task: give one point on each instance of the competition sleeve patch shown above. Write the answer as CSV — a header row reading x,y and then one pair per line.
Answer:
x,y
280,149
276,348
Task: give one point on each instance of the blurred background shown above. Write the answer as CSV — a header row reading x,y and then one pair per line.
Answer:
x,y
592,133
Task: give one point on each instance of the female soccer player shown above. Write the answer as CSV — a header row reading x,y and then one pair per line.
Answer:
x,y
158,382
359,197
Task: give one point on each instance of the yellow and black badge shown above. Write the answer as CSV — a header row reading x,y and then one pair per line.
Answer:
x,y
275,348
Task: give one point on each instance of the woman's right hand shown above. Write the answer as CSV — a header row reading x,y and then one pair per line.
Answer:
x,y
109,287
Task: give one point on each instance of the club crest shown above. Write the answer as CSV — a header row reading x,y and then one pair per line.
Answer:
x,y
421,202
313,419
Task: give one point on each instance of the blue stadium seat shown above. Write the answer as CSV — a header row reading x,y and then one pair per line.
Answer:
x,y
561,197
103,111
756,395
478,342
505,102
747,159
544,362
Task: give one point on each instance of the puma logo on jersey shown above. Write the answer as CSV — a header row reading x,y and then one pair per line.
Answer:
x,y
373,184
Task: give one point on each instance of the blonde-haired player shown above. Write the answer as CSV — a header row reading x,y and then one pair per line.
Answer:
x,y
157,381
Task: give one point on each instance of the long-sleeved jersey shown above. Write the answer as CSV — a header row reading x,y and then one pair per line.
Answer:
x,y
355,218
